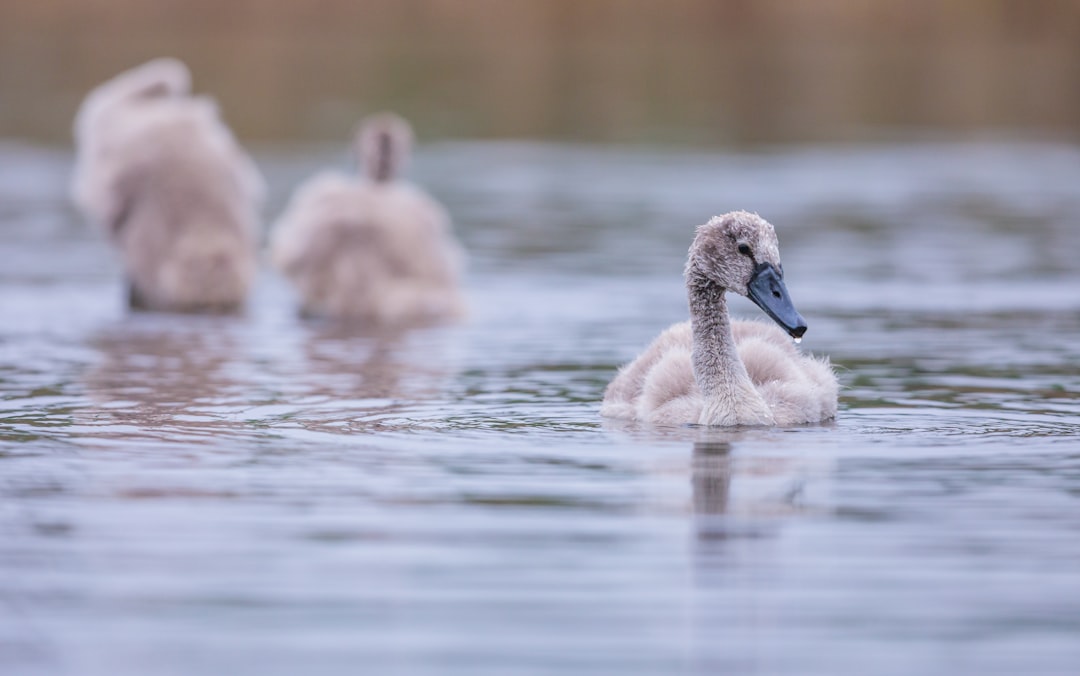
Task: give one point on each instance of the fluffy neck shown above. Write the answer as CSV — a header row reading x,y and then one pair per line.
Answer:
x,y
730,397
383,152
382,167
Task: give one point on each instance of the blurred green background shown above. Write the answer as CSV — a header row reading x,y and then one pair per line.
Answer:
x,y
731,73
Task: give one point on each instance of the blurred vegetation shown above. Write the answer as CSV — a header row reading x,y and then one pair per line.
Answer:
x,y
679,71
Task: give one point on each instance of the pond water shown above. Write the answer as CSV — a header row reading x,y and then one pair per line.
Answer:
x,y
259,495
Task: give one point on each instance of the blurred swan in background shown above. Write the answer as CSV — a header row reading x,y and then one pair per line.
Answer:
x,y
373,248
714,371
159,172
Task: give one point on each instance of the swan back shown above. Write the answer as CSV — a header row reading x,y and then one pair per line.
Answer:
x,y
797,388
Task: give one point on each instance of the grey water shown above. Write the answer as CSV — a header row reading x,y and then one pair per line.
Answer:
x,y
262,495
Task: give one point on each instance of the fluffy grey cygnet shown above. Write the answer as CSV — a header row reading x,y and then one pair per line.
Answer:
x,y
715,371
372,248
159,172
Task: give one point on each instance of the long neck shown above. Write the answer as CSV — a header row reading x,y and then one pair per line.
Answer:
x,y
382,156
730,395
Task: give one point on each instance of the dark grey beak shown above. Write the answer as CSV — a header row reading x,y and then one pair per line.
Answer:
x,y
767,289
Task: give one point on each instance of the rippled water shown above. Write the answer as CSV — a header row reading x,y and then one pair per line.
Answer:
x,y
258,495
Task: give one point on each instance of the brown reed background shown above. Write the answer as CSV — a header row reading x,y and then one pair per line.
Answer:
x,y
670,71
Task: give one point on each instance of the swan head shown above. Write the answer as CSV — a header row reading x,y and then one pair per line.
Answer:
x,y
738,252
384,143
159,78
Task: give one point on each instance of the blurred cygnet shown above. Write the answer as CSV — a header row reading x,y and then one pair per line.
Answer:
x,y
159,172
373,249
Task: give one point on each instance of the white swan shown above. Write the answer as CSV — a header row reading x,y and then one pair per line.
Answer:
x,y
713,371
159,172
372,248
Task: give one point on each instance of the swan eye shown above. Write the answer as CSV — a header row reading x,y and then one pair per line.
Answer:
x,y
744,249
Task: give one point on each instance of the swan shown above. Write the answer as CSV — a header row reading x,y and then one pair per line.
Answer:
x,y
714,371
372,248
161,175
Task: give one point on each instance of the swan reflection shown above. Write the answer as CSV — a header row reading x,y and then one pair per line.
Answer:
x,y
710,476
165,376
754,483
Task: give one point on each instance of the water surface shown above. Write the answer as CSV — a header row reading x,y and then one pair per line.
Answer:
x,y
260,495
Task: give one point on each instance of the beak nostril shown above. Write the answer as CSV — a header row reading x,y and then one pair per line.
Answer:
x,y
776,294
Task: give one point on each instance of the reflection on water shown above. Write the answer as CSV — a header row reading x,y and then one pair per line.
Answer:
x,y
190,378
151,377
348,366
711,476
346,362
258,494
